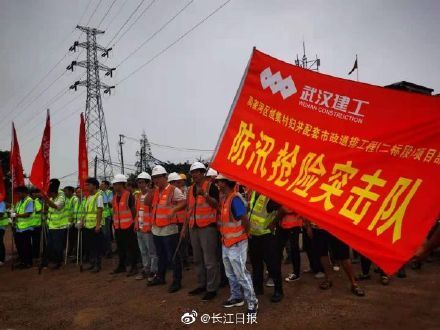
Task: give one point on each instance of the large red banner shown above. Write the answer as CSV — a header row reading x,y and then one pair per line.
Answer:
x,y
15,165
40,173
361,161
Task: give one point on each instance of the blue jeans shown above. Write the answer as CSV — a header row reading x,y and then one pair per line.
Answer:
x,y
234,259
165,247
148,251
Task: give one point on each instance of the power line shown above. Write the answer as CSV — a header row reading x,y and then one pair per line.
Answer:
x,y
126,21
96,8
135,21
155,33
170,147
106,13
173,43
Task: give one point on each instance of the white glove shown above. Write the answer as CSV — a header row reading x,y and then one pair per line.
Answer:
x,y
13,215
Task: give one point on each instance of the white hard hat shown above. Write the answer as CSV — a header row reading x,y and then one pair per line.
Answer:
x,y
144,175
197,166
174,177
158,170
211,172
221,177
119,178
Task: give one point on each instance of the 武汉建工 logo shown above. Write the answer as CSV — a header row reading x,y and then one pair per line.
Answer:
x,y
285,86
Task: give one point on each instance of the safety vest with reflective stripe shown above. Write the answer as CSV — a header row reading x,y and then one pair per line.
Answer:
x,y
20,208
258,216
162,206
69,209
78,209
57,219
199,211
122,217
291,220
142,223
107,206
36,216
4,220
91,211
232,230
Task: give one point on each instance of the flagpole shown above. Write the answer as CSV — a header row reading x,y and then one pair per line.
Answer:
x,y
357,69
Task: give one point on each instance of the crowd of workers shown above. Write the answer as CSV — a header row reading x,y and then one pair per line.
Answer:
x,y
158,220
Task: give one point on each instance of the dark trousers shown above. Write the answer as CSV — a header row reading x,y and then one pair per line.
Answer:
x,y
126,242
366,265
23,242
165,248
292,236
73,241
184,246
2,245
56,241
36,239
312,255
93,243
264,250
107,235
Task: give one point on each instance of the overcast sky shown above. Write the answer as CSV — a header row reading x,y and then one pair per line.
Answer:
x,y
182,98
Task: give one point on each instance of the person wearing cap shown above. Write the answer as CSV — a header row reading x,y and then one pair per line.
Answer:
x,y
91,224
211,174
124,212
178,180
234,228
203,199
165,202
57,221
143,228
22,216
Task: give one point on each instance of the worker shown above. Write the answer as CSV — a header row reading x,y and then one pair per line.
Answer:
x,y
91,224
4,221
57,220
143,228
124,213
263,246
22,218
69,193
107,195
211,174
288,230
324,242
234,228
178,181
203,202
165,202
36,223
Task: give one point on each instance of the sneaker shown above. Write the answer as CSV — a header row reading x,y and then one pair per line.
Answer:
x,y
133,271
150,276
385,280
253,308
156,281
319,275
233,303
336,268
363,277
209,295
176,286
95,270
277,296
142,275
269,283
307,270
292,278
197,291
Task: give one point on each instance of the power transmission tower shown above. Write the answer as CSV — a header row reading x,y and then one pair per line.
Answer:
x,y
146,161
305,63
97,138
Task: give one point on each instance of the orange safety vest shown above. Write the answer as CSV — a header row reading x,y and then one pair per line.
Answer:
x,y
144,225
162,206
232,230
122,217
291,220
204,214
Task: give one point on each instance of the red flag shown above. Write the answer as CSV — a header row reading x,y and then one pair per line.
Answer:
x,y
360,161
40,173
83,163
2,185
17,176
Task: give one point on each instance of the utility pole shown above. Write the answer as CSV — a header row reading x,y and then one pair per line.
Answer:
x,y
144,154
305,63
97,138
121,142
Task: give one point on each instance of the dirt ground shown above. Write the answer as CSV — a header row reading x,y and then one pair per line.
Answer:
x,y
67,299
